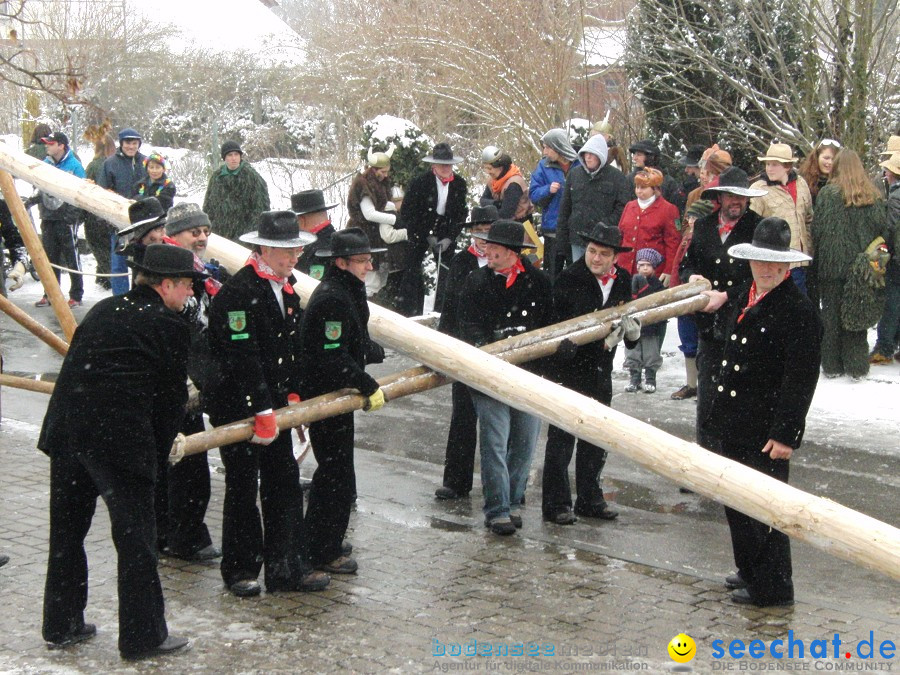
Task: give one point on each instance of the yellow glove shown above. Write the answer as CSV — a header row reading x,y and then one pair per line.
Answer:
x,y
375,401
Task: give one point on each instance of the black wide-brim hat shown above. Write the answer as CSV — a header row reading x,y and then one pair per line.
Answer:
x,y
278,229
347,242
692,157
166,260
735,181
606,235
309,201
771,243
442,154
508,233
145,215
482,215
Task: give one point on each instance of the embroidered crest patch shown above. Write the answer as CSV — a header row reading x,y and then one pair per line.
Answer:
x,y
237,321
317,271
333,330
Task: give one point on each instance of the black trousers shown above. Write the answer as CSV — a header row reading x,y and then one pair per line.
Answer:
x,y
333,487
182,495
58,239
462,439
75,484
762,554
556,492
278,540
709,361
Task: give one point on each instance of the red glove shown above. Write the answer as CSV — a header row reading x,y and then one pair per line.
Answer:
x,y
265,429
294,399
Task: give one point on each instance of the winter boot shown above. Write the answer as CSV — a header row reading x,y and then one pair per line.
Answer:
x,y
649,381
635,383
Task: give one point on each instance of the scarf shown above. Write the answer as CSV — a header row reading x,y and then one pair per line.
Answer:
x,y
321,226
726,228
144,188
498,185
644,203
211,285
609,276
265,272
444,180
512,272
474,251
755,297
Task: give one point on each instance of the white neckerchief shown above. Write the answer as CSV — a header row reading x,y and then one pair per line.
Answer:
x,y
279,296
442,190
644,203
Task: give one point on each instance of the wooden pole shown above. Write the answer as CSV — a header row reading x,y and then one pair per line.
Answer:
x,y
17,382
37,253
829,526
34,327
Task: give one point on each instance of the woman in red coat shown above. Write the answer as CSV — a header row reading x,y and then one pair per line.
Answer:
x,y
649,222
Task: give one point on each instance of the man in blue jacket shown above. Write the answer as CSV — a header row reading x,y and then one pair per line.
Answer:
x,y
121,174
59,221
546,191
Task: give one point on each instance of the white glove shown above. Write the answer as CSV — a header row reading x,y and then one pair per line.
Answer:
x,y
390,206
177,452
632,328
615,336
17,276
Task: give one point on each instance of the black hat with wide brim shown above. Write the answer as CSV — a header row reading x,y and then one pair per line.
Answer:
x,y
309,201
771,243
508,233
278,229
145,215
606,235
166,260
442,154
733,180
692,157
482,215
347,242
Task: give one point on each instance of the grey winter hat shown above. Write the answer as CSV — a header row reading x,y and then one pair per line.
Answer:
x,y
185,216
558,140
771,243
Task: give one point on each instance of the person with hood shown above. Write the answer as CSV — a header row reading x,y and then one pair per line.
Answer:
x,y
121,173
506,188
546,191
37,149
236,194
594,192
615,155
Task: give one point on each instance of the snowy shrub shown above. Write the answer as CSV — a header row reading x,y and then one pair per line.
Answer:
x,y
410,143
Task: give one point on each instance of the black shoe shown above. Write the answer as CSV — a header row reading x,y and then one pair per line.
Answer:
x,y
245,588
742,597
346,548
561,517
502,526
86,632
340,565
444,493
3,560
516,520
205,554
734,581
310,583
601,511
170,645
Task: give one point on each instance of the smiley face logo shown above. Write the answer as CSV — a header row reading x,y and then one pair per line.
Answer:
x,y
682,648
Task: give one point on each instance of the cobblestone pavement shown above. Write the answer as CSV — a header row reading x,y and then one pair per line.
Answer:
x,y
433,586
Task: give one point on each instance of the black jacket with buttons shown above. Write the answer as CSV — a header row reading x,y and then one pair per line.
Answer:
x,y
708,256
769,369
254,348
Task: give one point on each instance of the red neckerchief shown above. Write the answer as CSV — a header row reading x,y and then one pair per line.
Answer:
x,y
211,285
512,272
265,272
791,189
321,226
726,228
753,298
609,276
443,180
474,251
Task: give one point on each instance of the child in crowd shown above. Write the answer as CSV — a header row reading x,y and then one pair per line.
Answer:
x,y
157,183
646,354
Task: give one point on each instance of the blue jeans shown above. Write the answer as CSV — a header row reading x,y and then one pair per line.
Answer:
x,y
117,264
687,333
798,274
508,437
889,325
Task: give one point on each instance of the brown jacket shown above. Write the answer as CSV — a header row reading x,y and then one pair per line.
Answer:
x,y
779,204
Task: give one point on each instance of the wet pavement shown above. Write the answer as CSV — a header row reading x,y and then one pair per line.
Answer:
x,y
437,593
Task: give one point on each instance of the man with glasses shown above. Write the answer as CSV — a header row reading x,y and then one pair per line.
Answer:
x,y
334,349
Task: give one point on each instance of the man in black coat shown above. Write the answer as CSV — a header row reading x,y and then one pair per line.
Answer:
x,y
462,437
334,349
767,378
312,217
506,297
433,211
127,362
707,258
591,283
254,337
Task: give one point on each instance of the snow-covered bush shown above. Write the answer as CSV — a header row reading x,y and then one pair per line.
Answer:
x,y
409,142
